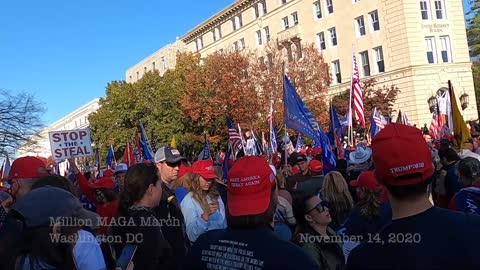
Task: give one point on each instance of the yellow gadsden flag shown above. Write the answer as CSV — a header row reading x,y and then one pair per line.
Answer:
x,y
173,143
461,133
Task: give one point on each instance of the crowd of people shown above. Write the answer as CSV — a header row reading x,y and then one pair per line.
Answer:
x,y
401,202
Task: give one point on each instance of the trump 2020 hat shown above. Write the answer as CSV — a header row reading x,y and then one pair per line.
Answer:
x,y
249,185
401,156
204,168
168,154
27,167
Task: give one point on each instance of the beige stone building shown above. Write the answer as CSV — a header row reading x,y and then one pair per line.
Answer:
x,y
417,45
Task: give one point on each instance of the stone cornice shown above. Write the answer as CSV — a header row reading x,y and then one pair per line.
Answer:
x,y
217,19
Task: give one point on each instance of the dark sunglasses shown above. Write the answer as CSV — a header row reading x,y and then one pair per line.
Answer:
x,y
321,207
174,164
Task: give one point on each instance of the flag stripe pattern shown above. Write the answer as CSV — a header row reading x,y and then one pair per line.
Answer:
x,y
435,125
357,94
234,136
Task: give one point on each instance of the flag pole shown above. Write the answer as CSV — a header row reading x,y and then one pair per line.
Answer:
x,y
350,120
285,120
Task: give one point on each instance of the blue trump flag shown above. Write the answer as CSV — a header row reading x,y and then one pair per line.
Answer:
x,y
299,144
298,117
205,153
225,165
146,151
110,156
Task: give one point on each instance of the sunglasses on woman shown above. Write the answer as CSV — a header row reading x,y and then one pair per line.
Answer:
x,y
321,207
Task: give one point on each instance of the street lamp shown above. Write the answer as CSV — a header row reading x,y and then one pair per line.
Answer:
x,y
464,101
432,103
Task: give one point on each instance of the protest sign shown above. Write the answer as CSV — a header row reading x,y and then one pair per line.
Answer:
x,y
70,143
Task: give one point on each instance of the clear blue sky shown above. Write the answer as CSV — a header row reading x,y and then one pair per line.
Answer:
x,y
65,52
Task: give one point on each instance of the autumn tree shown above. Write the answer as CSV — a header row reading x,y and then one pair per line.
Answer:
x,y
383,98
306,69
218,85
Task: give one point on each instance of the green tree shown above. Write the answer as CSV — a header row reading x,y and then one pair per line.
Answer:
x,y
473,28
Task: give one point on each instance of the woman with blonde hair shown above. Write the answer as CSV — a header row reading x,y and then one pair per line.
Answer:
x,y
203,208
335,192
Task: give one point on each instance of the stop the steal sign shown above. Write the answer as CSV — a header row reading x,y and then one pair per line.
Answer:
x,y
70,143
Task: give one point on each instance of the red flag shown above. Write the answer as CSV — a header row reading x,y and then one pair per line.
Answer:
x,y
357,94
128,156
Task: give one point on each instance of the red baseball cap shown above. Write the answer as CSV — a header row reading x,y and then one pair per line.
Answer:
x,y
27,167
204,168
103,182
183,170
401,156
108,173
315,166
367,180
249,186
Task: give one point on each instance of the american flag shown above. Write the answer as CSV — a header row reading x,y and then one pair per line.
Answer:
x,y
402,118
436,125
357,94
234,136
153,142
379,120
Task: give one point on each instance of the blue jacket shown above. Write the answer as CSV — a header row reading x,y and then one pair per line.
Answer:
x,y
192,212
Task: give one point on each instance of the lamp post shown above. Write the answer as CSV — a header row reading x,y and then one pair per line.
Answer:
x,y
432,103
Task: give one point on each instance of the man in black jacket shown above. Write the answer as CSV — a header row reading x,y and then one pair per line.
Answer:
x,y
167,160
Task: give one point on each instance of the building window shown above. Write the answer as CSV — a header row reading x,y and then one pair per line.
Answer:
x,y
285,23
235,46
333,36
336,71
259,38
144,70
240,21
365,63
317,10
379,59
138,75
295,18
234,25
255,11
264,7
153,66
267,33
446,51
284,2
164,63
86,120
321,41
242,43
218,30
199,44
329,6
360,26
440,9
424,9
374,20
130,77
430,47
